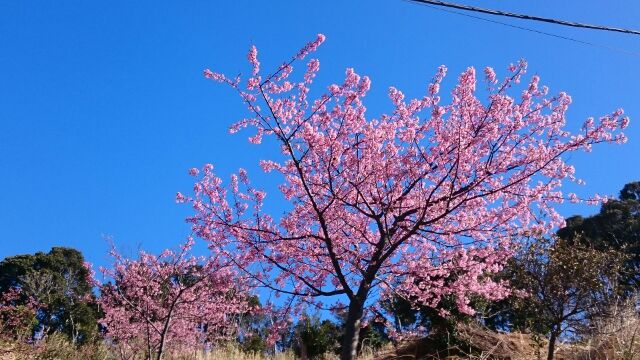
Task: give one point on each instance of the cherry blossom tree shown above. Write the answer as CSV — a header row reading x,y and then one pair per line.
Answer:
x,y
169,301
17,315
424,201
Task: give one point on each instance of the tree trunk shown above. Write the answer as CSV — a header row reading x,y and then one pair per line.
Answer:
x,y
163,337
149,352
352,330
303,351
165,329
552,343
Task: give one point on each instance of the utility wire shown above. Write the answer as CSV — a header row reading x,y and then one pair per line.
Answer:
x,y
610,48
526,17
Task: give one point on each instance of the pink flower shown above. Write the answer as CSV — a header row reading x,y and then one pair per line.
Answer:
x,y
624,123
490,75
252,56
573,198
194,172
312,67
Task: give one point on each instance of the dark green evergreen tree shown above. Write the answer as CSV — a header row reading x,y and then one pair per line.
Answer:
x,y
313,337
616,226
60,283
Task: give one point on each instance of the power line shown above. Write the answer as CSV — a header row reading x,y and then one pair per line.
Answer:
x,y
526,17
605,47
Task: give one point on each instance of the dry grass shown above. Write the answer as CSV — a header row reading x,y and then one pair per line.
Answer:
x,y
233,353
614,338
619,340
617,336
482,344
57,348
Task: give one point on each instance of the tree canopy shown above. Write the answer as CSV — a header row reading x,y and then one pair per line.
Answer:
x,y
397,203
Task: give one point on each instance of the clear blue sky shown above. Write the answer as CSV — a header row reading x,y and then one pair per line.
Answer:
x,y
103,107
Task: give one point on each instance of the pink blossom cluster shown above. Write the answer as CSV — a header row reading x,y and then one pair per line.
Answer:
x,y
310,47
16,315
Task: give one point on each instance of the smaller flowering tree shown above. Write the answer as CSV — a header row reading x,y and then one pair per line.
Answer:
x,y
17,315
170,301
